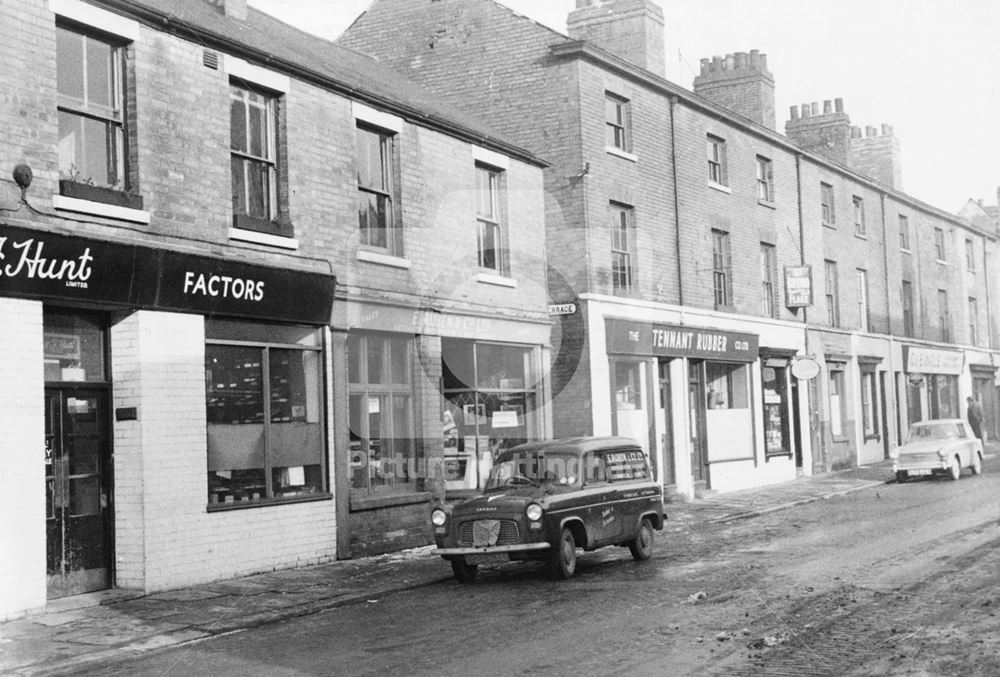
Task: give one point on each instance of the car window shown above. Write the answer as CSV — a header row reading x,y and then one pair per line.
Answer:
x,y
595,469
626,465
937,431
535,469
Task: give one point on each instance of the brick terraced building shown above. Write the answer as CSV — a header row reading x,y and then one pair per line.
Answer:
x,y
253,288
748,305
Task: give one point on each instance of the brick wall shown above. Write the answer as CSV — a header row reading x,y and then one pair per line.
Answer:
x,y
22,420
165,537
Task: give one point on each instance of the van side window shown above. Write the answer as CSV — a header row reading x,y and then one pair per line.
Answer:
x,y
626,464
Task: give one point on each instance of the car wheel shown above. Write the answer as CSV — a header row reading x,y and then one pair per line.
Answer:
x,y
902,476
562,560
977,464
642,547
465,573
955,469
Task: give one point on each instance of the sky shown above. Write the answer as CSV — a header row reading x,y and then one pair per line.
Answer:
x,y
928,68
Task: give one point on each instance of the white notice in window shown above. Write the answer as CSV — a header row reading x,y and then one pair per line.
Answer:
x,y
296,475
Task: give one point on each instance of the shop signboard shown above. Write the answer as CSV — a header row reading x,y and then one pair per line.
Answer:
x,y
53,267
932,361
643,338
798,286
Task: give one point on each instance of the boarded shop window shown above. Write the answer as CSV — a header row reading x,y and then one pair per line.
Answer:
x,y
726,385
264,414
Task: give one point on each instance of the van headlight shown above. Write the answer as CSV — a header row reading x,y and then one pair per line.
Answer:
x,y
439,517
534,512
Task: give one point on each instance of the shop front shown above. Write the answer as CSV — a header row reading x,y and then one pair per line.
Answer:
x,y
432,395
169,389
932,377
699,381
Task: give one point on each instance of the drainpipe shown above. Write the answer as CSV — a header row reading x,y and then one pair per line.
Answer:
x,y
892,339
677,206
815,440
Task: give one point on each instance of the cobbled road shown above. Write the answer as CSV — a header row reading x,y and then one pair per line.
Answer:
x,y
897,579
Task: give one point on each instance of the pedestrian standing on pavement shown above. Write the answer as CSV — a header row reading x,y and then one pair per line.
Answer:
x,y
975,416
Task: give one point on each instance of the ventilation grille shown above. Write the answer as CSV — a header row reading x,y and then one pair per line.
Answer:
x,y
210,59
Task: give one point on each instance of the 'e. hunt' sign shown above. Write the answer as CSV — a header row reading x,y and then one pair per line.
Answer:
x,y
37,264
643,338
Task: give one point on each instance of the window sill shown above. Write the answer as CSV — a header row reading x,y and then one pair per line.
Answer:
x,y
942,262
905,251
274,227
267,502
618,152
497,280
719,187
359,503
767,203
263,238
383,259
860,236
830,224
72,204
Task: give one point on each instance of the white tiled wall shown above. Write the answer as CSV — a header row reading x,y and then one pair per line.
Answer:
x,y
22,444
165,537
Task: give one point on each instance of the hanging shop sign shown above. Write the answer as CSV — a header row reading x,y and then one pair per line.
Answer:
x,y
805,368
47,266
932,361
798,286
643,338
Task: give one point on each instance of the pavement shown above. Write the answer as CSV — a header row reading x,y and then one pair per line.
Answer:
x,y
74,632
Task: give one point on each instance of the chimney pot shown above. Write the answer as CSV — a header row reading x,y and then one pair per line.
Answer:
x,y
886,130
814,108
838,105
794,112
827,107
805,110
855,132
870,131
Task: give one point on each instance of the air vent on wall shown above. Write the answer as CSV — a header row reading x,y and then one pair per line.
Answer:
x,y
210,59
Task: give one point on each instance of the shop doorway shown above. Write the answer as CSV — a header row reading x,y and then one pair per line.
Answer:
x,y
696,406
77,490
665,424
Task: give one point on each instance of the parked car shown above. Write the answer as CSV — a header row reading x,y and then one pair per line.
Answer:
x,y
942,446
543,500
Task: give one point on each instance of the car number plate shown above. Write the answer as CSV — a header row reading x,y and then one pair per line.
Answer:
x,y
919,471
488,558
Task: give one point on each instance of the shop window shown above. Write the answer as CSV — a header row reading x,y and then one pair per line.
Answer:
x,y
92,118
628,385
838,404
264,413
74,347
491,398
383,444
774,378
726,386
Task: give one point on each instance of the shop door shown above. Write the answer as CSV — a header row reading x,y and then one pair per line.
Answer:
x,y
665,423
699,436
77,490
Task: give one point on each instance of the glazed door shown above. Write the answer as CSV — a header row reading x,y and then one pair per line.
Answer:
x,y
696,407
76,490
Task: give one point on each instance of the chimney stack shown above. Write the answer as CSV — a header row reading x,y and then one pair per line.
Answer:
x,y
877,155
828,134
237,9
629,29
740,83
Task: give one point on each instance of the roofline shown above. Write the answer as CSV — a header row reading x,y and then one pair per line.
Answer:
x,y
168,23
588,52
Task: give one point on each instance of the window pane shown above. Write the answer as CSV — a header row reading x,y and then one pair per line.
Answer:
x,y
239,186
100,90
400,358
376,360
354,359
258,189
488,245
258,131
234,385
69,61
502,367
84,146
237,121
74,348
373,218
